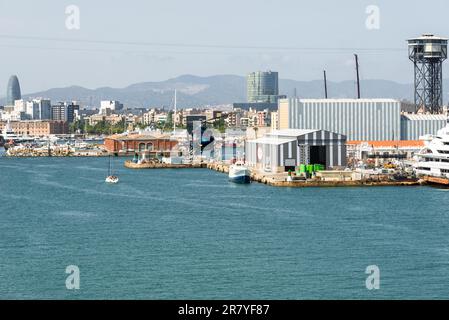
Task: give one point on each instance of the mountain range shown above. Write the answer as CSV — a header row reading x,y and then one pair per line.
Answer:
x,y
195,91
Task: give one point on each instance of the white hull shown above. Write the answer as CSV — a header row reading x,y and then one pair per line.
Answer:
x,y
433,159
112,180
239,173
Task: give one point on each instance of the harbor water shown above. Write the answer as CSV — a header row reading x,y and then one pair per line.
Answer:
x,y
191,234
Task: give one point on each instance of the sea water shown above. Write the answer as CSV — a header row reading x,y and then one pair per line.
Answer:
x,y
191,234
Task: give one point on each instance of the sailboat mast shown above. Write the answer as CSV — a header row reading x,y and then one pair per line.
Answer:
x,y
110,167
174,114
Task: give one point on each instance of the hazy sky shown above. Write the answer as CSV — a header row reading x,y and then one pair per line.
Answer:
x,y
124,42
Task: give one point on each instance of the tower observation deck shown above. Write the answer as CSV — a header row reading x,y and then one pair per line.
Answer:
x,y
427,54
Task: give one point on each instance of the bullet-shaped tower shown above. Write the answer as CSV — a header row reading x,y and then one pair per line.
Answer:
x,y
427,54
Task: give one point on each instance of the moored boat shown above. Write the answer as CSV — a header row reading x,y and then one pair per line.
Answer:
x,y
239,173
433,160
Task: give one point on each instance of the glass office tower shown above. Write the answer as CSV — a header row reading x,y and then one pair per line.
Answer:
x,y
263,87
13,91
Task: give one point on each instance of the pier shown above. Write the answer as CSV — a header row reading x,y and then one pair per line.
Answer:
x,y
280,180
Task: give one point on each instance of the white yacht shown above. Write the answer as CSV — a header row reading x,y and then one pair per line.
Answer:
x,y
239,173
8,137
433,160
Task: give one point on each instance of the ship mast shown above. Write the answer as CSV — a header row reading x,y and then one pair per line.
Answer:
x,y
174,114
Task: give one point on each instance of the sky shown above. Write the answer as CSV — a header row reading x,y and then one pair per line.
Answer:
x,y
118,43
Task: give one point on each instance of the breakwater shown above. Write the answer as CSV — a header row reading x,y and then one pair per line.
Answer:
x,y
157,165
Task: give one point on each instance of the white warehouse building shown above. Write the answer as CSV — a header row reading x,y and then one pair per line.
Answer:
x,y
358,119
414,126
283,150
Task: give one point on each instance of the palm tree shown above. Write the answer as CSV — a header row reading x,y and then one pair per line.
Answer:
x,y
255,131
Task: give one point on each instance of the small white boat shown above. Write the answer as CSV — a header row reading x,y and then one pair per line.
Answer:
x,y
111,178
239,173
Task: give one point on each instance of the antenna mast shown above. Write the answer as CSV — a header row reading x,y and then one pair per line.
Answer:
x,y
174,114
358,77
325,85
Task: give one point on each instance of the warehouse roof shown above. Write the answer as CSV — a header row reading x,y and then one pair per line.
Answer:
x,y
278,137
344,100
416,117
291,132
272,140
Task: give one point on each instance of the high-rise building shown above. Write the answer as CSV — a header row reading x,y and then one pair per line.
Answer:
x,y
64,112
39,109
13,91
263,87
108,107
32,110
44,108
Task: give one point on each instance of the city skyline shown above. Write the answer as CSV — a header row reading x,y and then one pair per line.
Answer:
x,y
157,41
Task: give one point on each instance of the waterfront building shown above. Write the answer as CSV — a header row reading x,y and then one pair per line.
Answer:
x,y
13,92
358,119
37,128
383,150
285,150
152,143
414,126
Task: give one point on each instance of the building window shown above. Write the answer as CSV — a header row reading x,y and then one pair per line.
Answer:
x,y
149,147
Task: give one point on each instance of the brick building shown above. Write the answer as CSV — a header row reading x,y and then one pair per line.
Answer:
x,y
129,144
37,127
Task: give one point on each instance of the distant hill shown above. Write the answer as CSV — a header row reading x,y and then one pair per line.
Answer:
x,y
221,89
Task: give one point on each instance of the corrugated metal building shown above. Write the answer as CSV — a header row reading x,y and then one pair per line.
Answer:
x,y
414,126
286,149
358,119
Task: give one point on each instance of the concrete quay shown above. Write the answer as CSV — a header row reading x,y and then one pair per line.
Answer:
x,y
280,180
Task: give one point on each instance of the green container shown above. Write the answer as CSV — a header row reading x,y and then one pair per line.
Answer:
x,y
302,168
309,168
318,167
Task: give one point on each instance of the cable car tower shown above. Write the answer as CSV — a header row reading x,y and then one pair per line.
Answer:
x,y
427,54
